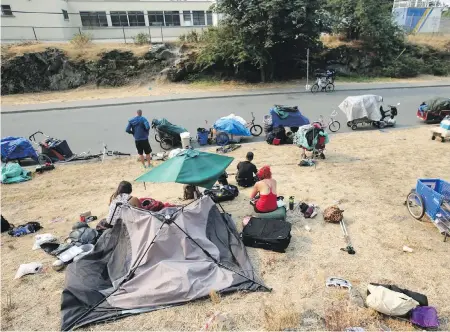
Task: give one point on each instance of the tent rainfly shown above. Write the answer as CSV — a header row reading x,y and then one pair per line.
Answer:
x,y
149,261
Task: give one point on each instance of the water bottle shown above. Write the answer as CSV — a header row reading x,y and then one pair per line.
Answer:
x,y
291,203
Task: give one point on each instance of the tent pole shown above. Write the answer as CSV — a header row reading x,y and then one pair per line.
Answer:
x,y
216,261
128,277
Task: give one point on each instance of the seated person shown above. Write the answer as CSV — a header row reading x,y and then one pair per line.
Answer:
x,y
267,190
245,176
121,195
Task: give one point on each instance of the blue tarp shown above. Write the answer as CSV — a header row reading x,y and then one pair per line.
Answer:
x,y
231,126
294,119
17,148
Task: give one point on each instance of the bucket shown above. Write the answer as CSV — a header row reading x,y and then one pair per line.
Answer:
x,y
185,140
202,136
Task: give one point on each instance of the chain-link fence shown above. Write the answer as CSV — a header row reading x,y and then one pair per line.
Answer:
x,y
12,34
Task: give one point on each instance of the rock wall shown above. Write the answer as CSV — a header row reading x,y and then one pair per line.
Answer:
x,y
52,70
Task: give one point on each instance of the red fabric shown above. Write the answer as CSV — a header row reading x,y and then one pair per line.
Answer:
x,y
264,173
267,203
276,141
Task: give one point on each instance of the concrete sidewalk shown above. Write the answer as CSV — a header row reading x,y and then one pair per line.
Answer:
x,y
342,87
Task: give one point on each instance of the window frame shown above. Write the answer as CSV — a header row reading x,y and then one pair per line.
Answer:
x,y
139,16
172,14
199,17
94,16
191,21
120,15
7,12
65,15
209,14
155,14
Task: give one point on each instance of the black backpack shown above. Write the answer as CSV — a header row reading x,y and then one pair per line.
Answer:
x,y
270,137
280,132
222,194
6,226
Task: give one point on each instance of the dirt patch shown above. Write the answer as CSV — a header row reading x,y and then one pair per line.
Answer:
x,y
369,173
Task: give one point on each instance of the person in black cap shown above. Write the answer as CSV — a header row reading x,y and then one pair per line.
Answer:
x,y
245,176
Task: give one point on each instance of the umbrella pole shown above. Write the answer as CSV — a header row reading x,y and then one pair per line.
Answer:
x,y
145,188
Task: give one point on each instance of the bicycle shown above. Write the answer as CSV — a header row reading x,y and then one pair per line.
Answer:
x,y
333,125
255,129
111,153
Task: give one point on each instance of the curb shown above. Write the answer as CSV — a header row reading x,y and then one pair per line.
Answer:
x,y
256,94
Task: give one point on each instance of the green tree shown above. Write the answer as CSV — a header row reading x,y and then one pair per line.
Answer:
x,y
269,33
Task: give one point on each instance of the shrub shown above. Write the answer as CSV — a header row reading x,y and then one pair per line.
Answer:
x,y
142,39
404,67
81,39
182,38
193,37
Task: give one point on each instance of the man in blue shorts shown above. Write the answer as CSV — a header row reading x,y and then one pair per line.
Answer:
x,y
140,128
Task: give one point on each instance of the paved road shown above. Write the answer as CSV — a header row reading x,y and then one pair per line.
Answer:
x,y
86,128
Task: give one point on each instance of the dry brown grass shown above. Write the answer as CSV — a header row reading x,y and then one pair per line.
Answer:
x,y
440,42
91,51
334,41
368,172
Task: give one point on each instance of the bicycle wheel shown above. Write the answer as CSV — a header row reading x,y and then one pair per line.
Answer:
x,y
334,126
315,88
415,205
157,138
222,139
256,130
43,159
117,153
166,143
329,87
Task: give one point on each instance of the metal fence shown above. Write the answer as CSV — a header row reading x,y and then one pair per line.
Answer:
x,y
14,34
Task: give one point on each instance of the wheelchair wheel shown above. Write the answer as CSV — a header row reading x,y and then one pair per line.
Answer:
x,y
415,205
354,126
222,139
166,143
349,124
43,160
157,139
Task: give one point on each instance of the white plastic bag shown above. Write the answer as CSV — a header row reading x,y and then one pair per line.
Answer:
x,y
30,268
389,302
41,239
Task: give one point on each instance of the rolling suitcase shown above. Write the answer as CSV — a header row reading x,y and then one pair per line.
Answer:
x,y
269,234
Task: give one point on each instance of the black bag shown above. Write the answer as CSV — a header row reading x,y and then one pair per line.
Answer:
x,y
6,226
267,234
280,133
222,194
270,137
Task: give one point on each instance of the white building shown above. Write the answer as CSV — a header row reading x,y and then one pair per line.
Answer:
x,y
53,20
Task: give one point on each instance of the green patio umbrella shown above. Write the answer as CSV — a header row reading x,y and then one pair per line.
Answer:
x,y
193,167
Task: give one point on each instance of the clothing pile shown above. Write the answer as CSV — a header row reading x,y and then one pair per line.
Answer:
x,y
13,173
28,228
394,301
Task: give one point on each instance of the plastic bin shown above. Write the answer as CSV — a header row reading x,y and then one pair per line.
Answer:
x,y
185,140
202,136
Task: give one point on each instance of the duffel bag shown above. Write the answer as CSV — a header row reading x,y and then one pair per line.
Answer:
x,y
269,234
222,193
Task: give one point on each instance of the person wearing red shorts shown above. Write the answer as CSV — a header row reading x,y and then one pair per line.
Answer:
x,y
140,128
267,190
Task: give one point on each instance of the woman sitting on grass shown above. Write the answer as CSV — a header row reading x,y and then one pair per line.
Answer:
x,y
121,195
266,189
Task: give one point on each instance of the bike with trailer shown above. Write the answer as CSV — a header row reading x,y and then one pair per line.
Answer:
x,y
324,81
367,110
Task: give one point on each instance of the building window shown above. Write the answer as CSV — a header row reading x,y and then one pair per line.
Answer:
x,y
119,19
65,14
136,19
198,17
187,18
6,10
93,19
209,18
172,18
156,18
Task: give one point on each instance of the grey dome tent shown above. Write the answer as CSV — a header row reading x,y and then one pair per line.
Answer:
x,y
149,261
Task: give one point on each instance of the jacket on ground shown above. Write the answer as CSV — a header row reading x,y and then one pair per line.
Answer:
x,y
139,128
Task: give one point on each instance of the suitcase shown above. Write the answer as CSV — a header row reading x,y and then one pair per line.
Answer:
x,y
269,234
